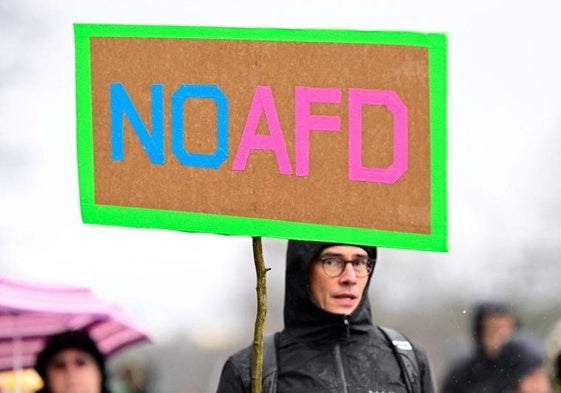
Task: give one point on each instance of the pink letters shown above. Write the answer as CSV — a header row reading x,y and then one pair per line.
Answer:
x,y
305,122
262,102
389,98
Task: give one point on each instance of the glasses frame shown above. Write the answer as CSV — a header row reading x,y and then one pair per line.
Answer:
x,y
370,264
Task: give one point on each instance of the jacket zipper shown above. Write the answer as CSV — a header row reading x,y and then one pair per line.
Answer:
x,y
339,366
339,360
347,327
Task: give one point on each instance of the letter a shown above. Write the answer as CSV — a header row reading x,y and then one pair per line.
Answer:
x,y
262,102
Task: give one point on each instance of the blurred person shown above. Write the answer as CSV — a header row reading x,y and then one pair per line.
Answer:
x,y
71,362
493,324
553,352
131,380
329,343
521,366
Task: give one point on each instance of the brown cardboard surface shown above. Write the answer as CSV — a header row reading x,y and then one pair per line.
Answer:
x,y
326,195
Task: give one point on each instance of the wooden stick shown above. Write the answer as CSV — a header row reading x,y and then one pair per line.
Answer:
x,y
261,270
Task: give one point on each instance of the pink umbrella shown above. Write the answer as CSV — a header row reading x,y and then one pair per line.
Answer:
x,y
30,312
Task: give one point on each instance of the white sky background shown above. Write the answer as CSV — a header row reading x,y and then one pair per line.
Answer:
x,y
504,137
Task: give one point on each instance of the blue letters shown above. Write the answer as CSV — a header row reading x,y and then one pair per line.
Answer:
x,y
120,105
183,93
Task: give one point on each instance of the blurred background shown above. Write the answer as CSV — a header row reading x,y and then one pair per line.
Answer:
x,y
195,293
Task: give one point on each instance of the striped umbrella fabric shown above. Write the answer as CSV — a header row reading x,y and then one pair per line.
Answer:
x,y
31,312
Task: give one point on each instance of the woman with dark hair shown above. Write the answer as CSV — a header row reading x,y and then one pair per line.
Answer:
x,y
71,362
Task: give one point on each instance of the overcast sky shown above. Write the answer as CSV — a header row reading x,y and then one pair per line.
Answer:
x,y
504,136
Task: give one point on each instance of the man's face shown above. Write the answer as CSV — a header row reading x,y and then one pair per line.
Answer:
x,y
73,371
341,294
495,331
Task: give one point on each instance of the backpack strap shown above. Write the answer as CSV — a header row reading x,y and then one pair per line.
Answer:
x,y
406,357
270,370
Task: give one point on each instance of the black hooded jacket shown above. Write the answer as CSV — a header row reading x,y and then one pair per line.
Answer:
x,y
319,351
476,372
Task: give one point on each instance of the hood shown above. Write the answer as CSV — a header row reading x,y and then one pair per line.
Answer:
x,y
483,310
302,316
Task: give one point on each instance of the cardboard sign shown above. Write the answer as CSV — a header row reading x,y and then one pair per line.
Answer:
x,y
325,135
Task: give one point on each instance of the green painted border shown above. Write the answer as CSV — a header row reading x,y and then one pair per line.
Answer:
x,y
230,225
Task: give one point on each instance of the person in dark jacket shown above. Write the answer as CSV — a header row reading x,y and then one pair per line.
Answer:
x,y
493,324
70,362
329,343
521,366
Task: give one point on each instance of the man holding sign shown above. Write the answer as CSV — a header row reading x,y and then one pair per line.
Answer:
x,y
234,132
329,343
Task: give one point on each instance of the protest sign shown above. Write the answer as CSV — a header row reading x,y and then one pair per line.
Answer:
x,y
331,135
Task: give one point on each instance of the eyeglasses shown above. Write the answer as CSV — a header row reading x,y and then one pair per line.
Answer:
x,y
334,266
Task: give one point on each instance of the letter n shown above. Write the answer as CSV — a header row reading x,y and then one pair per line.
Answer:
x,y
121,106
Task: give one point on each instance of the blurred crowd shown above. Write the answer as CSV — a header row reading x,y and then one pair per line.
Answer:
x,y
506,356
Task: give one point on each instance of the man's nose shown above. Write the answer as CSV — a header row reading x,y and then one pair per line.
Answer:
x,y
348,276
